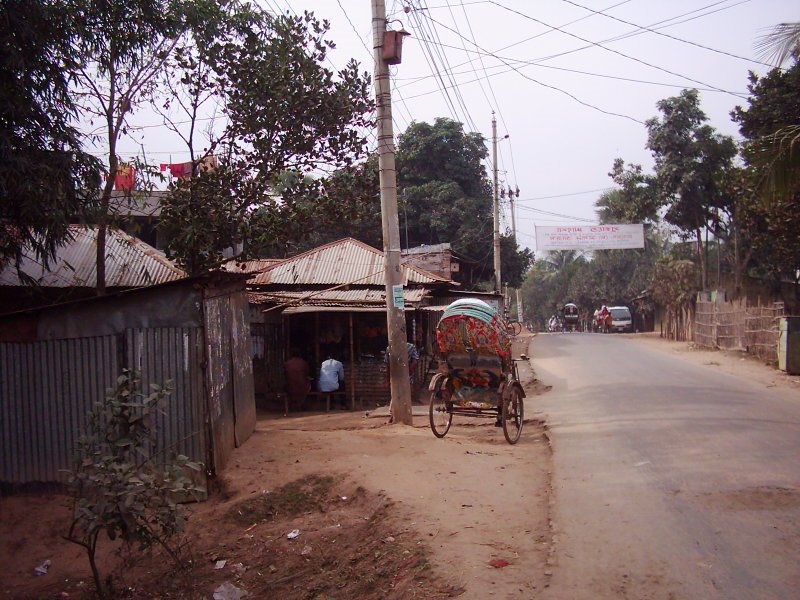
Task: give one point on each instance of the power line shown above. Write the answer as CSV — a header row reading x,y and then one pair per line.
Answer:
x,y
566,93
555,214
617,52
564,195
427,39
664,23
666,35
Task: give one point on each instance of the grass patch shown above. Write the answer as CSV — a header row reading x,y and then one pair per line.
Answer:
x,y
296,497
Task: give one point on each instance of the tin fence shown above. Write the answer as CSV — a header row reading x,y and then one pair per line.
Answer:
x,y
47,388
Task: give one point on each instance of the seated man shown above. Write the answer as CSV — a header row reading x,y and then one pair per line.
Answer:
x,y
331,377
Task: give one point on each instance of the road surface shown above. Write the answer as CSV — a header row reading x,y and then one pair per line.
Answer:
x,y
671,480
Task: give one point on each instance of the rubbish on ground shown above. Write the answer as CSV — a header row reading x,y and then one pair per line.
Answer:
x,y
498,563
228,591
42,568
220,564
293,534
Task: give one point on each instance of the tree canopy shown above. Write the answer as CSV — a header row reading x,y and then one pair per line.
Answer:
x,y
445,192
690,162
288,118
44,172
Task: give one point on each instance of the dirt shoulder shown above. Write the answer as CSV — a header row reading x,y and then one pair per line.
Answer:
x,y
382,511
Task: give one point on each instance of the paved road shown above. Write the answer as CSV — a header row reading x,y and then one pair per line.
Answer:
x,y
671,480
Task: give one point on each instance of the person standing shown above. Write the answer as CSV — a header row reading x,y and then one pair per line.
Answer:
x,y
413,358
331,376
298,378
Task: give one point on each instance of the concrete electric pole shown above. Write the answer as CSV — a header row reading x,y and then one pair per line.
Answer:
x,y
495,189
395,304
514,230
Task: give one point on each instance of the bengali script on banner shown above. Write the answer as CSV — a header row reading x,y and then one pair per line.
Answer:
x,y
590,237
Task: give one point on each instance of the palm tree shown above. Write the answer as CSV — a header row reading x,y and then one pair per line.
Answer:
x,y
558,260
781,43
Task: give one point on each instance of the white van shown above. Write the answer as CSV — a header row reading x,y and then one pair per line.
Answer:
x,y
621,319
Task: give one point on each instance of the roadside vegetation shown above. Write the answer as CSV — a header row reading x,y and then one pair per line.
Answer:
x,y
716,213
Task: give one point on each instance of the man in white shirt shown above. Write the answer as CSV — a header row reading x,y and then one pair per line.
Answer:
x,y
331,375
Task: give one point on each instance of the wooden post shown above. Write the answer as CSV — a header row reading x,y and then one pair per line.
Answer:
x,y
352,366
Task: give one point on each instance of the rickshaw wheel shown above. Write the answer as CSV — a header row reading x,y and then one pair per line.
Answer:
x,y
512,416
440,415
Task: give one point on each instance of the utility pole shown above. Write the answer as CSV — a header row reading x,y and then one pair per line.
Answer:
x,y
495,189
400,406
514,230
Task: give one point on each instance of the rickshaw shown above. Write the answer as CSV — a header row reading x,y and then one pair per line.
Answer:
x,y
571,317
477,377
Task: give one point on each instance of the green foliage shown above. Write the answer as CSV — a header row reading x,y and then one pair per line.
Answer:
x,y
674,282
771,128
119,485
635,201
43,168
446,196
286,114
609,277
691,160
769,211
780,44
444,188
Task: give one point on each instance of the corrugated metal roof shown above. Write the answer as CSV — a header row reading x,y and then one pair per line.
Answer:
x,y
427,249
137,203
129,263
255,265
334,297
346,261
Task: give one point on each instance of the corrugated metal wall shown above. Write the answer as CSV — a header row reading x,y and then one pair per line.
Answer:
x,y
47,387
174,354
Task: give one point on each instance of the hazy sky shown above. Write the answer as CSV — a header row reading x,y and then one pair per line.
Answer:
x,y
570,87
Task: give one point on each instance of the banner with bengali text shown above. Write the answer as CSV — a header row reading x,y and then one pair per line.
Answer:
x,y
590,237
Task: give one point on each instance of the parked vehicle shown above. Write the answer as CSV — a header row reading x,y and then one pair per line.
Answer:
x,y
621,319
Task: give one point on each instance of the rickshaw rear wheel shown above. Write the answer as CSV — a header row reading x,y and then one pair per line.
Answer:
x,y
440,415
512,416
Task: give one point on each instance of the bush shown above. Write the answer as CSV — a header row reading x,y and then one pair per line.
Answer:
x,y
120,482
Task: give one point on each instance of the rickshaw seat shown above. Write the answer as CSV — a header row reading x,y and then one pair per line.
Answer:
x,y
476,370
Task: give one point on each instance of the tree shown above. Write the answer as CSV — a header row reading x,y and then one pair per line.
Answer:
x,y
44,173
635,201
771,128
444,190
558,260
690,162
287,117
780,44
674,287
123,46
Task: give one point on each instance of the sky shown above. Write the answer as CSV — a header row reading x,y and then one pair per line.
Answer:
x,y
570,82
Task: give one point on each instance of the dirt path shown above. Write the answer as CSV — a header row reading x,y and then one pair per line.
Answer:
x,y
404,515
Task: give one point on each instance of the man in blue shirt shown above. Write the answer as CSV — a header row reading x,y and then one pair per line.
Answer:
x,y
331,375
